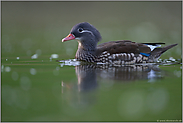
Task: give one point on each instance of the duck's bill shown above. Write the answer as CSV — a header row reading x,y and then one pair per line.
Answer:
x,y
69,37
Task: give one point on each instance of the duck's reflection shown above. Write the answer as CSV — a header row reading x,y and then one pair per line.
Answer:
x,y
131,73
90,75
87,77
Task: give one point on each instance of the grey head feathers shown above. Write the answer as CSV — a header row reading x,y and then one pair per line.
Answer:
x,y
85,29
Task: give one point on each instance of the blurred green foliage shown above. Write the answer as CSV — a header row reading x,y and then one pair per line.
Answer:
x,y
29,26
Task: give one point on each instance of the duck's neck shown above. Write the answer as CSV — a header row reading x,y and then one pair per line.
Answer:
x,y
86,51
87,46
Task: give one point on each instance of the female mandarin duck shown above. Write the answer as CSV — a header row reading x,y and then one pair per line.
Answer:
x,y
118,52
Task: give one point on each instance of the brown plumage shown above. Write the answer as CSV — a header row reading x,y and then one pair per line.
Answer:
x,y
124,46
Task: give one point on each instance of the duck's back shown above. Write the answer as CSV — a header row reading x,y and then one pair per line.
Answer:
x,y
128,52
124,46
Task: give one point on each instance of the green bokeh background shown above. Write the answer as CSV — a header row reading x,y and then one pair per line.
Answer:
x,y
29,26
38,27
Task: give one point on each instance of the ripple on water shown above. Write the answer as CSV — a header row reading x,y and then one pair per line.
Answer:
x,y
7,69
70,62
33,71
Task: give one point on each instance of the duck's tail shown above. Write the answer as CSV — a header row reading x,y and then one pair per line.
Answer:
x,y
157,52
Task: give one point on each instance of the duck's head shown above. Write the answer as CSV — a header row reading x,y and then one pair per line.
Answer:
x,y
83,32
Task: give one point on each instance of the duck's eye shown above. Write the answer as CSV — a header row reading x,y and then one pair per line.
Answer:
x,y
80,29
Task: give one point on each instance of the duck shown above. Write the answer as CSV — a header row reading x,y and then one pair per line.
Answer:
x,y
112,52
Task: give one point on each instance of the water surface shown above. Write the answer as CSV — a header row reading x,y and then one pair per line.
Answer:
x,y
40,90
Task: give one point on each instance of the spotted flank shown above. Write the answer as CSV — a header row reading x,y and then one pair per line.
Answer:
x,y
89,58
122,58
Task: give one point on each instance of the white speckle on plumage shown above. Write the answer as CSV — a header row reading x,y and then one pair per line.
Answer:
x,y
105,55
138,59
127,63
153,47
122,62
143,62
140,55
125,56
133,61
132,54
129,56
114,56
120,55
117,62
110,57
145,58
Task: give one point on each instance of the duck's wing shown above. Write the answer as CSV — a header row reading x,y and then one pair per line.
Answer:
x,y
123,46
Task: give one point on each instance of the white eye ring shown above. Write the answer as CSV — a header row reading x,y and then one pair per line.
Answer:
x,y
80,29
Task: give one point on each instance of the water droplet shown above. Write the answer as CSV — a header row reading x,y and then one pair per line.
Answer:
x,y
35,56
2,68
54,56
33,71
57,68
6,59
62,64
177,73
7,69
18,57
171,59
